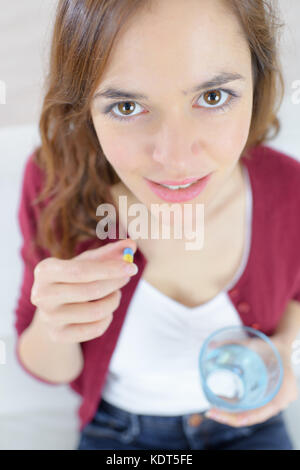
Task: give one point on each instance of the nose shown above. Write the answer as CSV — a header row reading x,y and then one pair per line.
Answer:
x,y
177,148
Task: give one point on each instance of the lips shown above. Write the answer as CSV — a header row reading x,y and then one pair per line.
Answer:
x,y
179,195
177,183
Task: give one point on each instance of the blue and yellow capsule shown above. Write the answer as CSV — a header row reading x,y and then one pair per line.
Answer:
x,y
128,255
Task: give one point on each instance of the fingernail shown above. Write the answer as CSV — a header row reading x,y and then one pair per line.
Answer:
x,y
131,268
221,418
216,416
244,421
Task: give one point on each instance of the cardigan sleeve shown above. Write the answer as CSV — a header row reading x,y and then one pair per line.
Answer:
x,y
296,287
296,295
27,218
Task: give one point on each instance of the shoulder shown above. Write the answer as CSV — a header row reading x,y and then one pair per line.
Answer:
x,y
275,178
33,181
272,160
33,175
275,173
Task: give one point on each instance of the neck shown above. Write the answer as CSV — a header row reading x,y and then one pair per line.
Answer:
x,y
230,188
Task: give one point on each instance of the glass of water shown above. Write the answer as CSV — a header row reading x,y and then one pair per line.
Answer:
x,y
240,368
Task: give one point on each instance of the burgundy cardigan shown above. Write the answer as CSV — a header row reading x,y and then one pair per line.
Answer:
x,y
270,279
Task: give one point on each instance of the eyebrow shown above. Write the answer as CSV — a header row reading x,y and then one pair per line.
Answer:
x,y
218,80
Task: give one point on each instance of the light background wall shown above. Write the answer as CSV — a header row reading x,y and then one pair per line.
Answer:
x,y
25,29
34,415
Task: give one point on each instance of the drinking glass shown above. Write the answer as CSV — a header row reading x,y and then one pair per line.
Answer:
x,y
240,368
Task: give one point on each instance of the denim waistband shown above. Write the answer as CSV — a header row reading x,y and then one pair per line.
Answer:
x,y
157,428
191,429
120,412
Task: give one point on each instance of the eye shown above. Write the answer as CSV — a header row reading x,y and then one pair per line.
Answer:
x,y
214,98
125,108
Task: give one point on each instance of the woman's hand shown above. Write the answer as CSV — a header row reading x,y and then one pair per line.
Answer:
x,y
287,393
76,298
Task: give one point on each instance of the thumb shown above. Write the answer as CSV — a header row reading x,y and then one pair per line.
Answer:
x,y
112,250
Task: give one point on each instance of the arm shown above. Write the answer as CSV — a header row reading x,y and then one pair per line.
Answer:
x,y
46,359
40,357
289,325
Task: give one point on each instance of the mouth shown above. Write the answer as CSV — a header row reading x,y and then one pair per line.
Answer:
x,y
177,184
185,190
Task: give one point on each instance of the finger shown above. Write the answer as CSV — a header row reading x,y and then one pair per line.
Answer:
x,y
81,270
234,420
109,251
231,419
245,418
58,294
83,313
79,333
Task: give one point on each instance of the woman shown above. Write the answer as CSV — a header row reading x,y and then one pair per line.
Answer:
x,y
143,96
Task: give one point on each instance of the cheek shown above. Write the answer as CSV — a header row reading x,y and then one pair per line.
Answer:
x,y
230,138
121,151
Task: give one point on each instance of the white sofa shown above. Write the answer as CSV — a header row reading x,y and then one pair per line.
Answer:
x,y
34,415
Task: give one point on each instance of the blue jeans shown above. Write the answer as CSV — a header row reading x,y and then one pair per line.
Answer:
x,y
117,429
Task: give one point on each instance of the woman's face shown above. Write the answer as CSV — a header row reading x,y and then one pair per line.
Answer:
x,y
175,131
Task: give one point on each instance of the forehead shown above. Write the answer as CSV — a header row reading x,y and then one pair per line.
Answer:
x,y
200,36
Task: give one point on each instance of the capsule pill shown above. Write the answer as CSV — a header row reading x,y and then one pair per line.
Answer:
x,y
128,255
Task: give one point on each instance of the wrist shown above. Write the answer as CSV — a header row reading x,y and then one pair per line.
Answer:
x,y
283,342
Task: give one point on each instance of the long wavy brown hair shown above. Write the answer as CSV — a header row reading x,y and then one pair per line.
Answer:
x,y
77,175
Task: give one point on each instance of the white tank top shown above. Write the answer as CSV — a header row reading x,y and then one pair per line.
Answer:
x,y
154,367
